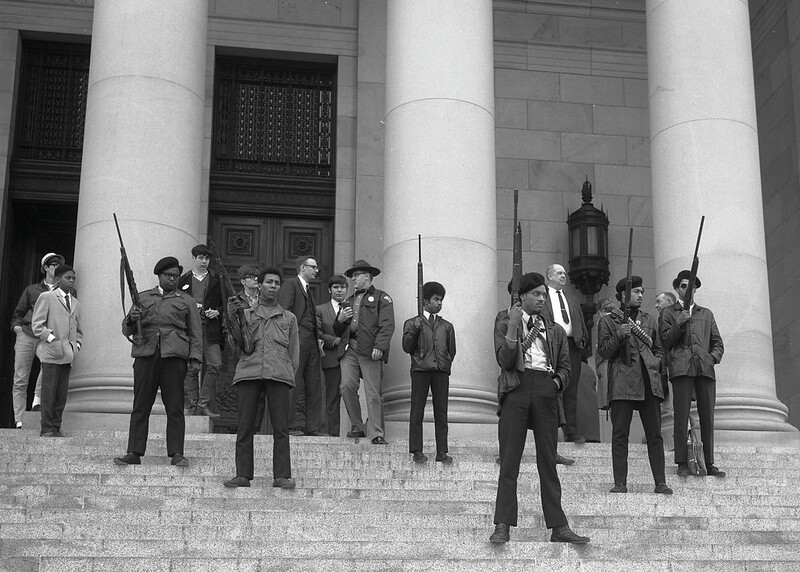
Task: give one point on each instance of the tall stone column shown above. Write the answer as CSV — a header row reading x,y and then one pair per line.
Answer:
x,y
704,161
142,156
440,183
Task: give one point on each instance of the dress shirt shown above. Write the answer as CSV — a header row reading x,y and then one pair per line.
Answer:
x,y
556,304
535,357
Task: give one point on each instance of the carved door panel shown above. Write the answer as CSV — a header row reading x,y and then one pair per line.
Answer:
x,y
241,240
298,237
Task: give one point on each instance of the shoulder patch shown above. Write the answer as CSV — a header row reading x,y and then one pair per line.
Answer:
x,y
387,298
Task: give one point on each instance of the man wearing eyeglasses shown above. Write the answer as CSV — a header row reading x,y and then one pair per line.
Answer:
x,y
694,346
171,335
297,297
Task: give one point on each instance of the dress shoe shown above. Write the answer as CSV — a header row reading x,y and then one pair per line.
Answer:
x,y
128,459
379,440
204,410
284,483
712,471
36,407
237,482
577,439
500,534
354,433
683,470
59,433
565,534
564,460
419,457
442,457
662,489
316,434
619,488
179,460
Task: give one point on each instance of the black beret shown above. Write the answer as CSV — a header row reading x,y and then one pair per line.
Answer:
x,y
685,275
165,263
636,282
530,281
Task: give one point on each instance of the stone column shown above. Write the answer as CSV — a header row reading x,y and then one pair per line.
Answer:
x,y
440,183
704,161
142,156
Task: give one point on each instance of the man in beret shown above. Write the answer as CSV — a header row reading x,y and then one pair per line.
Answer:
x,y
171,335
635,385
694,346
533,356
365,326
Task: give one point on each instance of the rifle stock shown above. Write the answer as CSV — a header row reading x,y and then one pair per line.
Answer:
x,y
516,257
419,277
247,340
126,276
626,300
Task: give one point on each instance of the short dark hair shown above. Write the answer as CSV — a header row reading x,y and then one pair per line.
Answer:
x,y
302,260
200,249
430,289
62,269
337,279
269,270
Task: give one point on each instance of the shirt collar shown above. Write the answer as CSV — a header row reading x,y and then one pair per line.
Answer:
x,y
199,276
303,282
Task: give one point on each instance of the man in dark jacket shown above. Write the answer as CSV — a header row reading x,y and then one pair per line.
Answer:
x,y
635,385
365,325
331,370
533,356
431,341
204,286
171,335
691,339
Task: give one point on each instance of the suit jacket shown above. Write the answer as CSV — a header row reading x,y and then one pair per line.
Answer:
x,y
50,316
325,318
295,299
211,301
579,332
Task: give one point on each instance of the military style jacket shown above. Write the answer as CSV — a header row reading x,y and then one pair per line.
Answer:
x,y
375,323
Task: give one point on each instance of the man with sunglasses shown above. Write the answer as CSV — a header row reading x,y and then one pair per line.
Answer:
x,y
691,339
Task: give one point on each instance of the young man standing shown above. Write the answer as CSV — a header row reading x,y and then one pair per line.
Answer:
x,y
26,343
431,341
56,321
635,385
270,369
332,372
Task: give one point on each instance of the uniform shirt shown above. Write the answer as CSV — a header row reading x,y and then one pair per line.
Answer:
x,y
556,304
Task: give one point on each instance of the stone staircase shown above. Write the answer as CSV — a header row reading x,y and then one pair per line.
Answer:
x,y
65,507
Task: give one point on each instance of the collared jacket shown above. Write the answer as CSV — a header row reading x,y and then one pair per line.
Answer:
x,y
276,354
50,316
432,348
512,361
212,300
170,321
706,348
326,317
625,382
24,310
579,332
375,323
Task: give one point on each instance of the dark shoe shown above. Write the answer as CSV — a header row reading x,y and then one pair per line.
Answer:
x,y
316,434
354,433
712,471
284,483
565,534
619,488
577,439
179,460
36,407
683,470
564,460
379,440
59,433
500,534
237,482
128,459
419,457
204,410
662,489
442,457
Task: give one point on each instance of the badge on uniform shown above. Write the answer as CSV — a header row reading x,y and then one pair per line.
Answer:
x,y
371,299
386,297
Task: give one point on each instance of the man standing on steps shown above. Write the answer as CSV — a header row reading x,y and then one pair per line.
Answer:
x,y
332,372
534,366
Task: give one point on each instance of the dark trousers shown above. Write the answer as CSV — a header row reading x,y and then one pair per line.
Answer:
x,y
571,390
150,374
705,389
278,400
333,399
55,384
309,378
438,383
650,414
532,403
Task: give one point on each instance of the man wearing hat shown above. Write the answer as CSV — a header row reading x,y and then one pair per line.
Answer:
x,y
635,385
534,367
365,325
691,339
26,343
170,335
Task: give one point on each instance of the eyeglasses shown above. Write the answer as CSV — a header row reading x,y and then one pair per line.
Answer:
x,y
314,266
170,276
251,277
683,286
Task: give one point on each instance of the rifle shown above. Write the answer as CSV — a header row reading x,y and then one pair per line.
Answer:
x,y
626,301
126,275
688,298
516,257
247,340
419,276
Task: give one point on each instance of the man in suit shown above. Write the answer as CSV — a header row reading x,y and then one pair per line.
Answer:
x,y
534,367
296,297
56,321
563,309
326,316
204,286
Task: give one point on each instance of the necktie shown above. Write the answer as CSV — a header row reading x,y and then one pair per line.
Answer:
x,y
564,314
432,319
66,300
